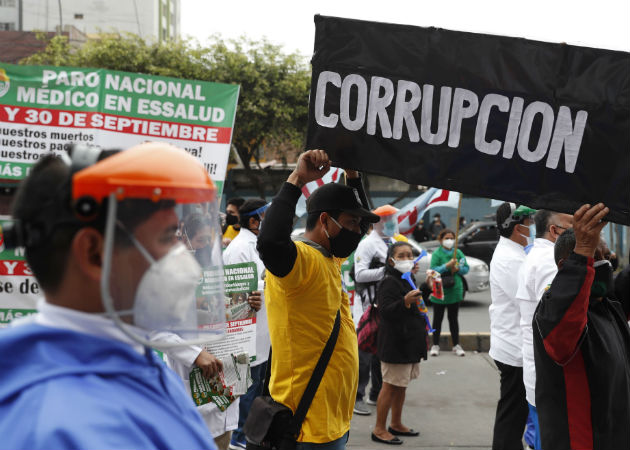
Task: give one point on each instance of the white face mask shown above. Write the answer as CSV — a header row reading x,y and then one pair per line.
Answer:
x,y
403,265
448,243
165,297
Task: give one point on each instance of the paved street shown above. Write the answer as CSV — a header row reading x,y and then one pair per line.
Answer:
x,y
453,402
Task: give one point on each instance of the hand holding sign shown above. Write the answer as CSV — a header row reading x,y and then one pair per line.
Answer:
x,y
255,300
311,166
587,226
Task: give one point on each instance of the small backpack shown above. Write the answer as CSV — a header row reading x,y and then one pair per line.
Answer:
x,y
367,330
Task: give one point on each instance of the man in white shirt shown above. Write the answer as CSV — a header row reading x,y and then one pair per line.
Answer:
x,y
535,275
505,331
243,249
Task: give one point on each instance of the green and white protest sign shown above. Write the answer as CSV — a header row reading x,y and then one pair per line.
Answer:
x,y
44,109
238,281
19,290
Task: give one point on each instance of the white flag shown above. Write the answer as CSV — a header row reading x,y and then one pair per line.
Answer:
x,y
332,176
410,214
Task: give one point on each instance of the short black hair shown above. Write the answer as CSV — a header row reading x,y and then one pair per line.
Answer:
x,y
236,201
564,245
247,207
444,232
313,217
542,219
437,215
503,212
392,248
43,211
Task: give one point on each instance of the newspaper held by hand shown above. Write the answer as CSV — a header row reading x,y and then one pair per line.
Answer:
x,y
224,387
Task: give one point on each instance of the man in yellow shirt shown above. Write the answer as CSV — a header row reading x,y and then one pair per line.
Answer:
x,y
304,292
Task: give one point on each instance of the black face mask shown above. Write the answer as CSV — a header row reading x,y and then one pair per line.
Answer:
x,y
344,243
603,282
231,219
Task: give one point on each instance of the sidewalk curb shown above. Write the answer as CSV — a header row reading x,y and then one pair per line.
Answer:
x,y
471,342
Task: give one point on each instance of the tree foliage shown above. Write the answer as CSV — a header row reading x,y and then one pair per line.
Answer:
x,y
273,100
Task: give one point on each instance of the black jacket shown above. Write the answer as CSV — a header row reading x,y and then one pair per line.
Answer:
x,y
582,355
402,335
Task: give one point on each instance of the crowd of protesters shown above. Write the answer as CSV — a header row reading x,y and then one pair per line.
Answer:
x,y
559,323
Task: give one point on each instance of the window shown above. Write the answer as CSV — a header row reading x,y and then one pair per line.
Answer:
x,y
8,3
78,16
7,26
485,233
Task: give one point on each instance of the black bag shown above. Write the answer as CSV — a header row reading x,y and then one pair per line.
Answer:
x,y
448,280
271,425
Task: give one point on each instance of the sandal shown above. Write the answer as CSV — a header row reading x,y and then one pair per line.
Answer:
x,y
392,441
411,432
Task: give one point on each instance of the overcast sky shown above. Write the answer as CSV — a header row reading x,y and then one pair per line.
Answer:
x,y
593,23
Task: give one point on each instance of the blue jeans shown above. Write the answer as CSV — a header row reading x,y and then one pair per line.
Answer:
x,y
337,444
258,375
534,416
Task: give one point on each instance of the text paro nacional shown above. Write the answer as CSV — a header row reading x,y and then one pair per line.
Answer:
x,y
121,84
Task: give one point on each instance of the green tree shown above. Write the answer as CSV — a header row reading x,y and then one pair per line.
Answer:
x,y
273,100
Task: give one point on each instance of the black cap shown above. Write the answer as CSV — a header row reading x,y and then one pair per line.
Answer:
x,y
337,197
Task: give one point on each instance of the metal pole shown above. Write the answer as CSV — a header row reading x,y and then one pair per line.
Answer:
x,y
60,19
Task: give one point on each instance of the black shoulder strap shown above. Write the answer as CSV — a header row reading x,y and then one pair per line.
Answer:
x,y
316,378
313,382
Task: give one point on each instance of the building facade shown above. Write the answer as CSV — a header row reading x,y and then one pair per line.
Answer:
x,y
150,19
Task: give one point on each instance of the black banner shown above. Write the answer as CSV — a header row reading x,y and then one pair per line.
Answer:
x,y
540,124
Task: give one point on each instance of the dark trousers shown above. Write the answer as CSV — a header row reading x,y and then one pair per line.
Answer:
x,y
436,323
369,366
258,379
512,410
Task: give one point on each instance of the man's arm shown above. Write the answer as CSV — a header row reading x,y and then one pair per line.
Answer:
x,y
562,314
275,247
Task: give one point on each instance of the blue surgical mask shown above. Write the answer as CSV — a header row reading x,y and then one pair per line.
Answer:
x,y
390,228
532,233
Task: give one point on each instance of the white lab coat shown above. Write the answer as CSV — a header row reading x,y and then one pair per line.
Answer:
x,y
537,272
181,360
506,341
243,249
372,246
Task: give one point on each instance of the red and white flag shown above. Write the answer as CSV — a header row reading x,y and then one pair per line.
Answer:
x,y
410,214
332,176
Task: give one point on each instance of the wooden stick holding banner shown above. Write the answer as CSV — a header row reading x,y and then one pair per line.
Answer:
x,y
459,211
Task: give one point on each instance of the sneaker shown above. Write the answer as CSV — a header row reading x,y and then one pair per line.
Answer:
x,y
435,350
459,351
369,401
237,445
361,409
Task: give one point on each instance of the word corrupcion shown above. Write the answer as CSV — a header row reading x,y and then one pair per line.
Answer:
x,y
362,105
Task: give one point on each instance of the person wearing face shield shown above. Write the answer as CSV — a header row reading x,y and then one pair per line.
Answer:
x,y
197,236
533,277
369,270
304,295
505,331
242,249
582,345
452,266
100,238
